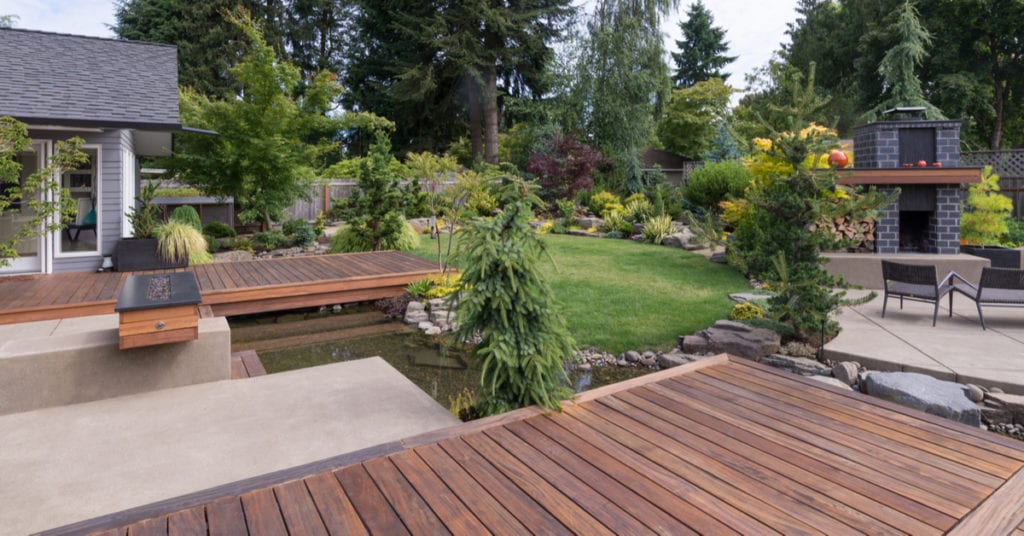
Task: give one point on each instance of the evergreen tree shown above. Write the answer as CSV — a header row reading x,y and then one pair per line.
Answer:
x,y
375,215
702,51
902,86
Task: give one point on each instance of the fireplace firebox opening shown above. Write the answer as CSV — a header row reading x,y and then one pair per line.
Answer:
x,y
914,227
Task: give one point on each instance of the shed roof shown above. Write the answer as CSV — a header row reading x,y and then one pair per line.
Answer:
x,y
70,80
720,446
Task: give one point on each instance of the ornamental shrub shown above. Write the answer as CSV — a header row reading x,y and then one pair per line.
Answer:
x,y
178,241
219,229
657,228
299,232
564,166
988,211
351,239
713,183
599,201
745,311
506,301
187,214
269,240
638,210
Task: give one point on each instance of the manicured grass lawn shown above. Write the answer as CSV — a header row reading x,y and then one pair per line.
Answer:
x,y
621,295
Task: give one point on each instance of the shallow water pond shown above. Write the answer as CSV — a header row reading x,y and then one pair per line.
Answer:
x,y
441,372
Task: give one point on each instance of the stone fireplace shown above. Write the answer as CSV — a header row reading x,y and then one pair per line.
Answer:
x,y
926,216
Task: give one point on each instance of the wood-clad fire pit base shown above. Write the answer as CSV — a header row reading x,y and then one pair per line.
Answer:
x,y
158,309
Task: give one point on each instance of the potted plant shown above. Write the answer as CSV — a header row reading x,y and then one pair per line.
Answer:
x,y
140,252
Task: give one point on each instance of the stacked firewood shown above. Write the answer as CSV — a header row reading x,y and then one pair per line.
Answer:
x,y
857,235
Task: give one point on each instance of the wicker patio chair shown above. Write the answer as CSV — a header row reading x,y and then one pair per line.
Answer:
x,y
916,282
999,287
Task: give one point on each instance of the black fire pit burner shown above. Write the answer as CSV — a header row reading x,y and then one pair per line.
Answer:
x,y
160,290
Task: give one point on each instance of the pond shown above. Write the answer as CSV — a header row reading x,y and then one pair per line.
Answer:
x,y
299,340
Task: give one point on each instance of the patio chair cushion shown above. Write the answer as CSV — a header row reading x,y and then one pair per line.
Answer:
x,y
1001,295
918,291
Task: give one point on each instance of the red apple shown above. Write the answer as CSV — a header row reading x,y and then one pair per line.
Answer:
x,y
922,163
936,164
908,164
838,159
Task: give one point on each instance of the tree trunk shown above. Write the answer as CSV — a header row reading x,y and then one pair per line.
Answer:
x,y
491,115
999,107
475,133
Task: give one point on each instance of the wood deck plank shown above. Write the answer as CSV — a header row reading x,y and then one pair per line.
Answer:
x,y
841,472
374,509
253,365
262,513
149,527
190,522
1000,513
981,476
603,508
531,514
963,453
415,513
335,508
846,451
818,493
298,509
445,504
225,517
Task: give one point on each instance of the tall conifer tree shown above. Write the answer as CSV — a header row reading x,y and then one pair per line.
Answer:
x,y
702,52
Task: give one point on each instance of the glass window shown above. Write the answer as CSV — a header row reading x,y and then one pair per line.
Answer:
x,y
82,233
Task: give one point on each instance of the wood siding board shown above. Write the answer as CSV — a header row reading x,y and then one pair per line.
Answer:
x,y
262,513
638,504
604,509
190,522
373,508
825,446
435,492
298,509
476,498
743,490
335,509
841,472
416,514
818,493
225,517
976,479
530,513
874,423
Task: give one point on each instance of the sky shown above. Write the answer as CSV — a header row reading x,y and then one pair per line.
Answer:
x,y
754,29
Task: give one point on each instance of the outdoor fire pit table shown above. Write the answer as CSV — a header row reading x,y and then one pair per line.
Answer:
x,y
158,309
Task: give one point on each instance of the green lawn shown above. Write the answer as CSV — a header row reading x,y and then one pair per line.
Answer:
x,y
621,295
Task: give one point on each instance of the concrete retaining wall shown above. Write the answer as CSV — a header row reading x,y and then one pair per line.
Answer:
x,y
60,362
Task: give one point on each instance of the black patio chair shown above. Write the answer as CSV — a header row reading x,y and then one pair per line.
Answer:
x,y
916,282
999,287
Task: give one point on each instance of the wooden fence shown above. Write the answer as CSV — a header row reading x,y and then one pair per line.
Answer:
x,y
1009,165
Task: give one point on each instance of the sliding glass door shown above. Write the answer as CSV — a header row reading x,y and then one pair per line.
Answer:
x,y
15,217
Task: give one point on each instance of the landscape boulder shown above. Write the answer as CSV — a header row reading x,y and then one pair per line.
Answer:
x,y
831,381
919,391
734,338
673,358
846,372
415,313
797,365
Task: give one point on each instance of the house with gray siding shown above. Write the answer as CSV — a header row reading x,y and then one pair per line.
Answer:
x,y
121,97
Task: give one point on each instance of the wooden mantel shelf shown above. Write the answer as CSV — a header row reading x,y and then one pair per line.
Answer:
x,y
896,176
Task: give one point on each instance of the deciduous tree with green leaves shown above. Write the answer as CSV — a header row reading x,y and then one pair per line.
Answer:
x,y
37,195
506,300
702,52
263,155
693,116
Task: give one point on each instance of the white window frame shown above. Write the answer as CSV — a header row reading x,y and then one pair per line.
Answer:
x,y
97,180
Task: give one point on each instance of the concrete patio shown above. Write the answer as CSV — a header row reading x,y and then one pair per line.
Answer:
x,y
956,349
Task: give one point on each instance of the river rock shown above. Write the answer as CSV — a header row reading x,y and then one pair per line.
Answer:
x,y
798,365
632,356
414,315
975,393
424,326
734,338
919,391
648,361
831,381
846,372
433,330
673,359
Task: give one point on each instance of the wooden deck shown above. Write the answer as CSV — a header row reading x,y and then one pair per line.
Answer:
x,y
230,288
720,446
246,364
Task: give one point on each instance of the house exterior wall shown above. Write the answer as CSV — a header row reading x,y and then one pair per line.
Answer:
x,y
115,146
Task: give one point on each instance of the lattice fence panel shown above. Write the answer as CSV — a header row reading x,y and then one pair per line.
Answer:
x,y
1008,164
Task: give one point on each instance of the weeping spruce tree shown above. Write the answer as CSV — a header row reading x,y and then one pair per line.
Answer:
x,y
525,342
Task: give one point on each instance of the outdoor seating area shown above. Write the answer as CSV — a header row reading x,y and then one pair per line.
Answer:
x,y
998,287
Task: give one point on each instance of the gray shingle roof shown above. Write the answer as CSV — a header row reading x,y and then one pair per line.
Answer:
x,y
87,80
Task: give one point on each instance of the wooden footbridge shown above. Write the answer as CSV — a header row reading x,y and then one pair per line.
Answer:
x,y
230,288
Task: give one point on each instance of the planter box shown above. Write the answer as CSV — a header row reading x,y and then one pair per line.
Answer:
x,y
138,254
1000,256
158,309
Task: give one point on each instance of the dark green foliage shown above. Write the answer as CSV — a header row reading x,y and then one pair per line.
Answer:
x,y
375,208
212,244
269,240
507,301
290,227
219,229
145,216
350,239
187,214
714,182
299,232
702,51
784,330
240,244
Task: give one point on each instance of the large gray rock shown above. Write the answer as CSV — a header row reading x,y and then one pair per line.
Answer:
x,y
831,381
797,365
919,391
846,372
587,223
734,338
674,359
